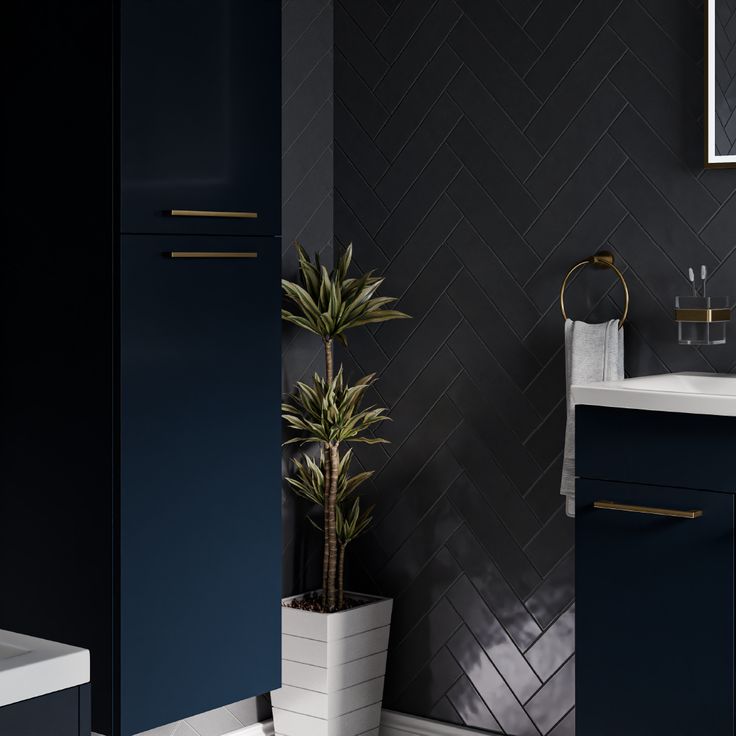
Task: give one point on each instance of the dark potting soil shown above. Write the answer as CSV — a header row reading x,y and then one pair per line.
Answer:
x,y
314,603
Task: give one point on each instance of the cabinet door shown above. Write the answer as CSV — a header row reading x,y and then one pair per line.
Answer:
x,y
200,500
654,613
201,115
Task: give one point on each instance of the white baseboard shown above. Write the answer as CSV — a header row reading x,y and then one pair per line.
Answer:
x,y
392,724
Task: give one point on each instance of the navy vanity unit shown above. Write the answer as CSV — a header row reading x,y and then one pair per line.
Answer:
x,y
140,328
655,498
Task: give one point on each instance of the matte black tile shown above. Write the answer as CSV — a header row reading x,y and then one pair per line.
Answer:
x,y
402,24
656,217
494,72
646,94
491,274
666,60
554,594
357,192
496,643
357,97
419,298
547,441
313,44
547,19
589,235
428,336
548,387
306,150
576,195
310,193
502,703
364,57
489,529
575,88
492,381
520,9
584,23
410,112
491,173
720,234
471,708
370,15
576,142
668,173
430,235
367,254
314,91
425,141
358,145
503,33
492,225
493,588
511,455
420,199
496,127
297,17
682,22
492,328
422,45
557,697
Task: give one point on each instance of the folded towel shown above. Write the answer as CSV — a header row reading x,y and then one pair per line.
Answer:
x,y
592,353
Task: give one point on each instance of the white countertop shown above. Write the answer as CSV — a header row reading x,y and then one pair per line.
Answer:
x,y
30,667
685,393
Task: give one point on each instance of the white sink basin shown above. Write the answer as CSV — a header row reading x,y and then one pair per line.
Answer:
x,y
30,667
686,393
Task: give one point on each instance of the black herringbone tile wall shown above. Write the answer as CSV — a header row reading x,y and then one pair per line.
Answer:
x,y
307,217
481,148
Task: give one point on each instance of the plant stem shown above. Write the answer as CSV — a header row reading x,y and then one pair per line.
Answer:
x,y
341,577
331,469
330,528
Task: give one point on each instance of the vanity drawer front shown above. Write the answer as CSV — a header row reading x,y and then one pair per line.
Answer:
x,y
654,613
659,448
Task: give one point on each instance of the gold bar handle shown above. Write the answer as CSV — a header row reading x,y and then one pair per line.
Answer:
x,y
210,254
651,510
213,213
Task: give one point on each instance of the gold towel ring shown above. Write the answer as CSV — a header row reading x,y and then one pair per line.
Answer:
x,y
605,259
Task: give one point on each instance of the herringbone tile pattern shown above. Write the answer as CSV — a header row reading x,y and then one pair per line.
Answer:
x,y
725,22
482,147
307,217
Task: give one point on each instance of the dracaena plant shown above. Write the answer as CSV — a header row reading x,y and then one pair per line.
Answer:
x,y
329,412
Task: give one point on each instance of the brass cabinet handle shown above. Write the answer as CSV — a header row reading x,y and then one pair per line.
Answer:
x,y
653,511
210,254
213,213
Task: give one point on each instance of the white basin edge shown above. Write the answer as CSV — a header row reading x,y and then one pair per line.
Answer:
x,y
44,667
685,393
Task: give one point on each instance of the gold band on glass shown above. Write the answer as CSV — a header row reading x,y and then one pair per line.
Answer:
x,y
604,259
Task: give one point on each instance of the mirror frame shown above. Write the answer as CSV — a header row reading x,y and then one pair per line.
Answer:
x,y
712,160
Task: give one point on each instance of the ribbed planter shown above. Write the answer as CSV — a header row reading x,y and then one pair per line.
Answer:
x,y
332,670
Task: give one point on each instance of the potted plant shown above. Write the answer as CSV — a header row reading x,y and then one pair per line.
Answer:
x,y
334,642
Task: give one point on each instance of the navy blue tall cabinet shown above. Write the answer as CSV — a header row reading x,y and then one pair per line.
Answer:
x,y
140,377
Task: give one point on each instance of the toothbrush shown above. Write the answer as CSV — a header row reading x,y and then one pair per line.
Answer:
x,y
703,276
691,276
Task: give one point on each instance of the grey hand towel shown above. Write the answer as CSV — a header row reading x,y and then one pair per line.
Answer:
x,y
592,353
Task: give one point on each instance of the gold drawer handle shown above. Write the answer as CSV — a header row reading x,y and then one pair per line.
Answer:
x,y
653,511
213,213
210,254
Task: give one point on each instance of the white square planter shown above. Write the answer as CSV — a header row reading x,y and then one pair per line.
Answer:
x,y
332,670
